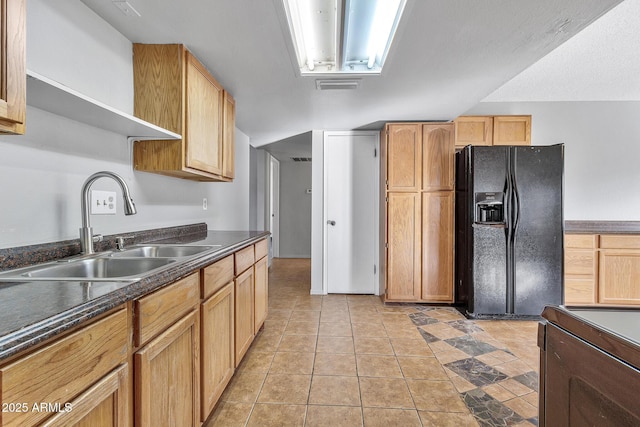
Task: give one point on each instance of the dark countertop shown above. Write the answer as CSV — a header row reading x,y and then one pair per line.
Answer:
x,y
31,312
602,227
614,330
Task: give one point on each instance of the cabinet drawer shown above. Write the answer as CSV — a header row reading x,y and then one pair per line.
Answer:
x,y
580,241
216,276
579,291
60,371
580,262
262,249
244,259
155,312
612,241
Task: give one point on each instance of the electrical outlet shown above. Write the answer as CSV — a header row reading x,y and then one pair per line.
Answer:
x,y
204,204
103,202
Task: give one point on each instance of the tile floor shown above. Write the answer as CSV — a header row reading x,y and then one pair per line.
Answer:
x,y
350,360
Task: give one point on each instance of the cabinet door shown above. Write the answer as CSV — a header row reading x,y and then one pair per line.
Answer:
x,y
64,369
203,134
437,246
217,346
438,156
261,295
244,289
167,372
473,130
106,404
512,130
228,136
619,277
403,246
404,157
13,77
585,386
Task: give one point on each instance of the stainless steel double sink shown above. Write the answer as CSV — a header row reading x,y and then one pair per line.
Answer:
x,y
127,265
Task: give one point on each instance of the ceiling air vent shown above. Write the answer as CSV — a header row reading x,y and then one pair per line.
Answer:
x,y
332,84
301,159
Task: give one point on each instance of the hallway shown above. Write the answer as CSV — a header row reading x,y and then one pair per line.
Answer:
x,y
349,360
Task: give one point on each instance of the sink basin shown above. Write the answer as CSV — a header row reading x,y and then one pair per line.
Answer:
x,y
162,251
96,269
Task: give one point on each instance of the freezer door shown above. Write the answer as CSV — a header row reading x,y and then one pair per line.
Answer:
x,y
538,244
488,290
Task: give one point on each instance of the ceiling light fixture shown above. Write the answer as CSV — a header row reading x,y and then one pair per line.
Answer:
x,y
342,36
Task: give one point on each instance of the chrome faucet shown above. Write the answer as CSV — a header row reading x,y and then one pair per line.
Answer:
x,y
86,232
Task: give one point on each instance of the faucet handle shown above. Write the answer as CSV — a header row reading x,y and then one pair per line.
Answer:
x,y
120,243
97,238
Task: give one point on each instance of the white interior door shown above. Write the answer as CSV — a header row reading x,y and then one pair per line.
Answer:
x,y
274,205
351,212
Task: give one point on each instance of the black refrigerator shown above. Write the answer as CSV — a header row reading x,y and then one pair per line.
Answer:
x,y
509,230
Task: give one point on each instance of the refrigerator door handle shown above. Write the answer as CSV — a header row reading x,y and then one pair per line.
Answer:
x,y
516,204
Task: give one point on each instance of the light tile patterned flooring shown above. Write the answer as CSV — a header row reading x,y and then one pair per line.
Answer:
x,y
350,360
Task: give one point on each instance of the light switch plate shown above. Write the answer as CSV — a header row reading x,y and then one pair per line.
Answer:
x,y
103,202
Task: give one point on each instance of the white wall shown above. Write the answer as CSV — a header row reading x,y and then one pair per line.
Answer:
x,y
317,211
295,209
602,150
42,171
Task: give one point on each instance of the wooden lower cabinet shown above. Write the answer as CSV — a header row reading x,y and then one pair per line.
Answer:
x,y
420,243
403,247
170,353
167,376
244,324
584,385
437,246
217,346
619,280
106,404
64,369
261,293
602,269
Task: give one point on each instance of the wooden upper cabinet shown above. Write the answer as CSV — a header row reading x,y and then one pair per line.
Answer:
x,y
13,76
473,130
404,157
512,130
228,136
492,130
203,123
438,154
173,90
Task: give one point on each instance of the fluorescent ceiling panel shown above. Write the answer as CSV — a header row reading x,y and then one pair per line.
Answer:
x,y
342,36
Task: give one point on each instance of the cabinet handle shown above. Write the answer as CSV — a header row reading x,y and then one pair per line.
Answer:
x,y
331,222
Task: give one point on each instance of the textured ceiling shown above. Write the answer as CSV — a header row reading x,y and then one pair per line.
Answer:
x,y
447,56
601,63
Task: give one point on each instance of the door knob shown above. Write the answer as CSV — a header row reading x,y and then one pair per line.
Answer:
x,y
331,222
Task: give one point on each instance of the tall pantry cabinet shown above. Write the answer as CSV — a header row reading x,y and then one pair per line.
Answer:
x,y
418,170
